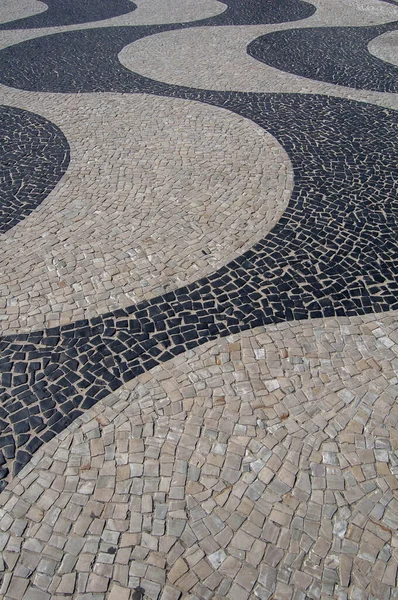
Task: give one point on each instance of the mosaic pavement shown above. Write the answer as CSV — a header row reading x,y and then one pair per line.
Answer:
x,y
199,300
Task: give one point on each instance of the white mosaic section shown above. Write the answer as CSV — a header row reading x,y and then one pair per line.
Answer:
x,y
157,12
19,9
351,13
385,47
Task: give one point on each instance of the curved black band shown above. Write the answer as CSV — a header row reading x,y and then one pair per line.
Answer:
x,y
34,155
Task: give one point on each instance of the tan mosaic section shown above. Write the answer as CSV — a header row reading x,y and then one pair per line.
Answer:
x,y
352,13
259,466
385,47
137,161
151,12
18,9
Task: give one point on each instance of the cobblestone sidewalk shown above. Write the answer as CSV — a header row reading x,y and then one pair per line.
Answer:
x,y
198,275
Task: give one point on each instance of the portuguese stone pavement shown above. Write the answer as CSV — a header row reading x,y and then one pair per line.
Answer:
x,y
199,300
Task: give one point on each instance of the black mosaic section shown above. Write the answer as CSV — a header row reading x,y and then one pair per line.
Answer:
x,y
336,55
71,12
54,63
333,253
34,154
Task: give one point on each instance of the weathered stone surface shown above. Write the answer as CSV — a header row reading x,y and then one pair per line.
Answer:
x,y
261,463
